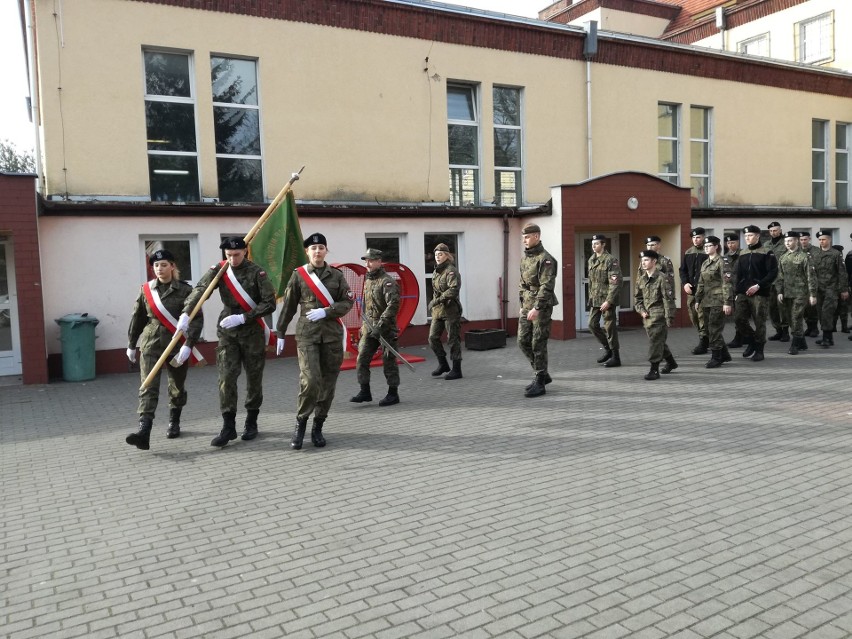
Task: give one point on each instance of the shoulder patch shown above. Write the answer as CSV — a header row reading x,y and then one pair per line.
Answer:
x,y
548,262
262,273
389,283
350,295
614,277
214,267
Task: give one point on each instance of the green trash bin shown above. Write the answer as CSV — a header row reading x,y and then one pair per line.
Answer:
x,y
78,346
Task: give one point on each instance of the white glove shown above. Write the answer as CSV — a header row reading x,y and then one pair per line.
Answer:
x,y
131,355
183,355
232,321
183,323
316,314
279,346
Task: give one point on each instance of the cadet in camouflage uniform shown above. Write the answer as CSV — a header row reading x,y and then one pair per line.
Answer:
x,y
604,287
654,301
842,312
831,286
753,277
796,286
242,340
848,263
811,312
155,338
537,294
380,307
690,268
715,299
320,303
664,264
775,245
732,252
446,311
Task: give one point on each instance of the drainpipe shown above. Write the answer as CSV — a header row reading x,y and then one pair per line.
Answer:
x,y
590,48
34,110
504,305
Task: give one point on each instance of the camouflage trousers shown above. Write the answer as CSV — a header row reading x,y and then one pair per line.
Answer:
x,y
658,333
149,397
714,321
242,347
532,339
753,309
794,313
811,315
776,312
608,335
696,317
319,366
827,307
453,340
367,347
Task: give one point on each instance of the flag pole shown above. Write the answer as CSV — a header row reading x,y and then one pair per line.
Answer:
x,y
209,290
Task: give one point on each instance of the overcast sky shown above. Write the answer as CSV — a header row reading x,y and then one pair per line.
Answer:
x,y
14,119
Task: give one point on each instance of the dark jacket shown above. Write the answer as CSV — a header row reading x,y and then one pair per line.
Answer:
x,y
756,265
690,267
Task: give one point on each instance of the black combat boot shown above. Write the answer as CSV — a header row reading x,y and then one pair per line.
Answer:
x,y
443,367
669,366
142,437
654,373
547,380
456,372
228,432
299,433
758,353
391,398
250,427
749,346
726,356
702,347
776,337
174,423
537,387
316,432
826,340
811,330
613,361
605,357
803,344
363,395
794,346
844,325
785,334
737,342
715,359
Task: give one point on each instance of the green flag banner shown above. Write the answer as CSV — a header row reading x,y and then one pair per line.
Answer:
x,y
277,246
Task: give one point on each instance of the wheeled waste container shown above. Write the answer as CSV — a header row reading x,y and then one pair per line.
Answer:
x,y
78,346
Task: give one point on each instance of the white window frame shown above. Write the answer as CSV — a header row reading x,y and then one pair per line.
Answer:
x,y
194,254
677,110
820,154
456,171
708,176
517,170
843,179
759,45
402,238
814,39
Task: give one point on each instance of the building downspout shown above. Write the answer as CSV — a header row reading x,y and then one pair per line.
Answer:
x,y
590,48
34,110
504,306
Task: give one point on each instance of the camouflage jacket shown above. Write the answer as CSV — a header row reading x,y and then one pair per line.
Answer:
x,y
796,278
830,272
655,295
775,246
715,288
144,323
381,301
604,280
298,293
253,280
446,283
537,286
664,266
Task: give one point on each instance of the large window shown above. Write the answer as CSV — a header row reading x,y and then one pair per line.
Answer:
x,y
507,146
668,128
843,146
759,45
430,241
815,39
170,124
389,245
463,142
699,149
236,121
819,164
184,249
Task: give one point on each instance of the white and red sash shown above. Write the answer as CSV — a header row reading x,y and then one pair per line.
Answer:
x,y
149,289
323,295
246,302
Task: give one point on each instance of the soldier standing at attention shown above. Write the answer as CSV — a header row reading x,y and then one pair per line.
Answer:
x,y
247,296
756,271
324,297
604,287
446,311
153,319
811,312
655,303
715,299
381,305
732,245
538,297
775,244
796,286
689,270
831,286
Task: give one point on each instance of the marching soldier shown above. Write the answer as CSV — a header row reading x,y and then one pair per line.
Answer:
x,y
381,305
446,311
756,271
537,296
775,244
664,264
811,312
732,252
842,312
796,286
247,297
689,270
655,303
715,299
831,286
604,287
153,320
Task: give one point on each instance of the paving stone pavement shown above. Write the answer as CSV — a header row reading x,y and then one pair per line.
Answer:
x,y
706,504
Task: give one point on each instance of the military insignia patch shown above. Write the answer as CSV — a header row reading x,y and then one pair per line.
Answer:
x,y
613,277
728,276
350,295
388,283
263,273
548,262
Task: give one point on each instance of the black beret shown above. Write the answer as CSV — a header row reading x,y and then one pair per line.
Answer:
x,y
649,253
712,239
315,238
837,247
773,224
752,228
598,237
161,254
804,233
730,237
530,228
822,232
698,230
792,234
652,238
233,243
